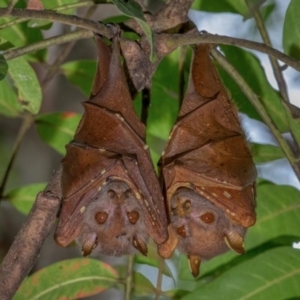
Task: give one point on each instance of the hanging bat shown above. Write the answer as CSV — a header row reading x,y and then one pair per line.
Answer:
x,y
112,200
207,171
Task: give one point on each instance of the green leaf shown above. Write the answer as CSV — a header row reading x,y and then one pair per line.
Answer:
x,y
291,30
23,198
278,210
20,34
164,104
27,84
9,104
274,274
3,67
57,129
69,279
263,153
80,73
132,9
251,70
293,113
233,6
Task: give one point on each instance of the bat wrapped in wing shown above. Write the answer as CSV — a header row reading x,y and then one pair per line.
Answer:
x,y
207,171
112,199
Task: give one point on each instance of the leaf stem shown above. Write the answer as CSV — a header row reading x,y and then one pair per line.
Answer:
x,y
26,124
129,277
259,108
266,39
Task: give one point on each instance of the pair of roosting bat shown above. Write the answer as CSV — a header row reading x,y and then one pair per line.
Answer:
x,y
112,199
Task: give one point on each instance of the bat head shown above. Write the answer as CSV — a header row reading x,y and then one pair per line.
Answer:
x,y
113,223
203,230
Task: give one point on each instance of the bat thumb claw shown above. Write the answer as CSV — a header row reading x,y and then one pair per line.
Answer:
x,y
140,245
235,242
194,264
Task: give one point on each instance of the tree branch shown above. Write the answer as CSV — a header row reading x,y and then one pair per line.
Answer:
x,y
176,40
259,108
24,251
62,18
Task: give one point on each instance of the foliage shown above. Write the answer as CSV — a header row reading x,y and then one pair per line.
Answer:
x,y
269,269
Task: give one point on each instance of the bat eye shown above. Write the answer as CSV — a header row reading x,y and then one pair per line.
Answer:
x,y
127,194
207,218
101,217
111,194
181,231
133,217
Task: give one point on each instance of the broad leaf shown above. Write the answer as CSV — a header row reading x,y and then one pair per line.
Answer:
x,y
9,104
233,6
291,30
57,129
251,70
132,9
27,84
23,198
293,113
3,67
278,210
262,153
70,279
274,274
80,73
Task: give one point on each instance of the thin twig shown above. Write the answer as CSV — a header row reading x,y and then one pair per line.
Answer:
x,y
63,54
176,40
160,275
129,277
62,18
259,108
181,83
57,9
26,124
166,42
265,37
11,5
60,39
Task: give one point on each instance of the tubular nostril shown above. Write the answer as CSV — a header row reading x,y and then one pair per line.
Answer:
x,y
123,233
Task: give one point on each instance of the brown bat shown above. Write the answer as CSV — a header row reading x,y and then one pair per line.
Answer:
x,y
207,171
112,199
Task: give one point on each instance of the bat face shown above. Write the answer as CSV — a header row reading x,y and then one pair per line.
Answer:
x,y
113,223
202,228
